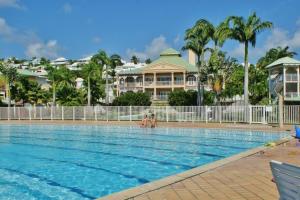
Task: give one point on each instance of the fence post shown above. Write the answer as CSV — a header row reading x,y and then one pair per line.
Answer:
x,y
118,113
107,113
220,114
130,112
84,118
206,117
264,115
62,113
30,113
8,113
14,111
51,114
73,113
34,113
19,112
250,114
95,111
41,113
167,114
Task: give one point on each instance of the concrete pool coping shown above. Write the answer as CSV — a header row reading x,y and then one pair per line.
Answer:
x,y
158,184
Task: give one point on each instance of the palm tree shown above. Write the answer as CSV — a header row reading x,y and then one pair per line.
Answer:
x,y
196,39
274,54
10,74
245,31
115,60
53,76
90,70
218,71
135,59
102,59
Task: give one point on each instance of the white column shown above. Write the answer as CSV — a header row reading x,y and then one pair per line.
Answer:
x,y
143,82
184,75
284,83
298,82
172,80
154,84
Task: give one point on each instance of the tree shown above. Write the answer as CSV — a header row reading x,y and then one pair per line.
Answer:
x,y
89,71
274,54
107,63
258,90
196,39
102,59
148,61
115,60
53,76
132,99
61,78
245,31
10,74
218,70
135,59
183,98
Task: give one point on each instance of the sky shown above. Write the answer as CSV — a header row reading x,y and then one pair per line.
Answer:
x,y
78,28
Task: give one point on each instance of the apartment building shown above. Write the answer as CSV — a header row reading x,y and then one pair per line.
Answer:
x,y
168,73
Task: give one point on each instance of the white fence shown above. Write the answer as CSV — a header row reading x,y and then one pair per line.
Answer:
x,y
220,114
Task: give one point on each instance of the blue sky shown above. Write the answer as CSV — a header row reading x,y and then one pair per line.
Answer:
x,y
78,28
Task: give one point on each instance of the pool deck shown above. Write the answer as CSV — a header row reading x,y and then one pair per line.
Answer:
x,y
243,176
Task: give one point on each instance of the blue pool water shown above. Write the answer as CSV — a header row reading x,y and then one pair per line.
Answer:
x,y
86,162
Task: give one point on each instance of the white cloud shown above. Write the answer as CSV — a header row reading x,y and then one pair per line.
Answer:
x,y
152,50
96,40
11,3
177,39
43,49
34,46
67,8
278,37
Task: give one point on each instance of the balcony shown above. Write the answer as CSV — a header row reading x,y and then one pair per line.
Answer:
x,y
291,78
178,82
149,83
163,83
162,97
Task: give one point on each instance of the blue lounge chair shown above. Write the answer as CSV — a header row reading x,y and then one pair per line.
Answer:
x,y
287,179
297,130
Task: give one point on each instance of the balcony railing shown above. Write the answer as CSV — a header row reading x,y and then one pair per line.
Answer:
x,y
148,83
163,83
178,82
162,97
291,77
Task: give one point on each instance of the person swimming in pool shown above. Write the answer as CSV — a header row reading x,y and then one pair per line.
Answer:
x,y
153,121
144,122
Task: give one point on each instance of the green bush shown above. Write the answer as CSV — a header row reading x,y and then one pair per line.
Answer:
x,y
189,98
132,99
183,98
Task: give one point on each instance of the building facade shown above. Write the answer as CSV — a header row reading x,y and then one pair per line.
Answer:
x,y
168,73
284,78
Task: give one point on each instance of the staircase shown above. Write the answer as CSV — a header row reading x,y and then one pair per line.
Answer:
x,y
159,103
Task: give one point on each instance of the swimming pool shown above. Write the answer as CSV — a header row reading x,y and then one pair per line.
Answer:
x,y
87,162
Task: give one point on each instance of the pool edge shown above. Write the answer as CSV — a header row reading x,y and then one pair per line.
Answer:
x,y
163,182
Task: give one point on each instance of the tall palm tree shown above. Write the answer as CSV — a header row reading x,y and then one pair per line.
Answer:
x,y
10,74
102,59
197,39
89,70
274,54
115,60
53,76
245,31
